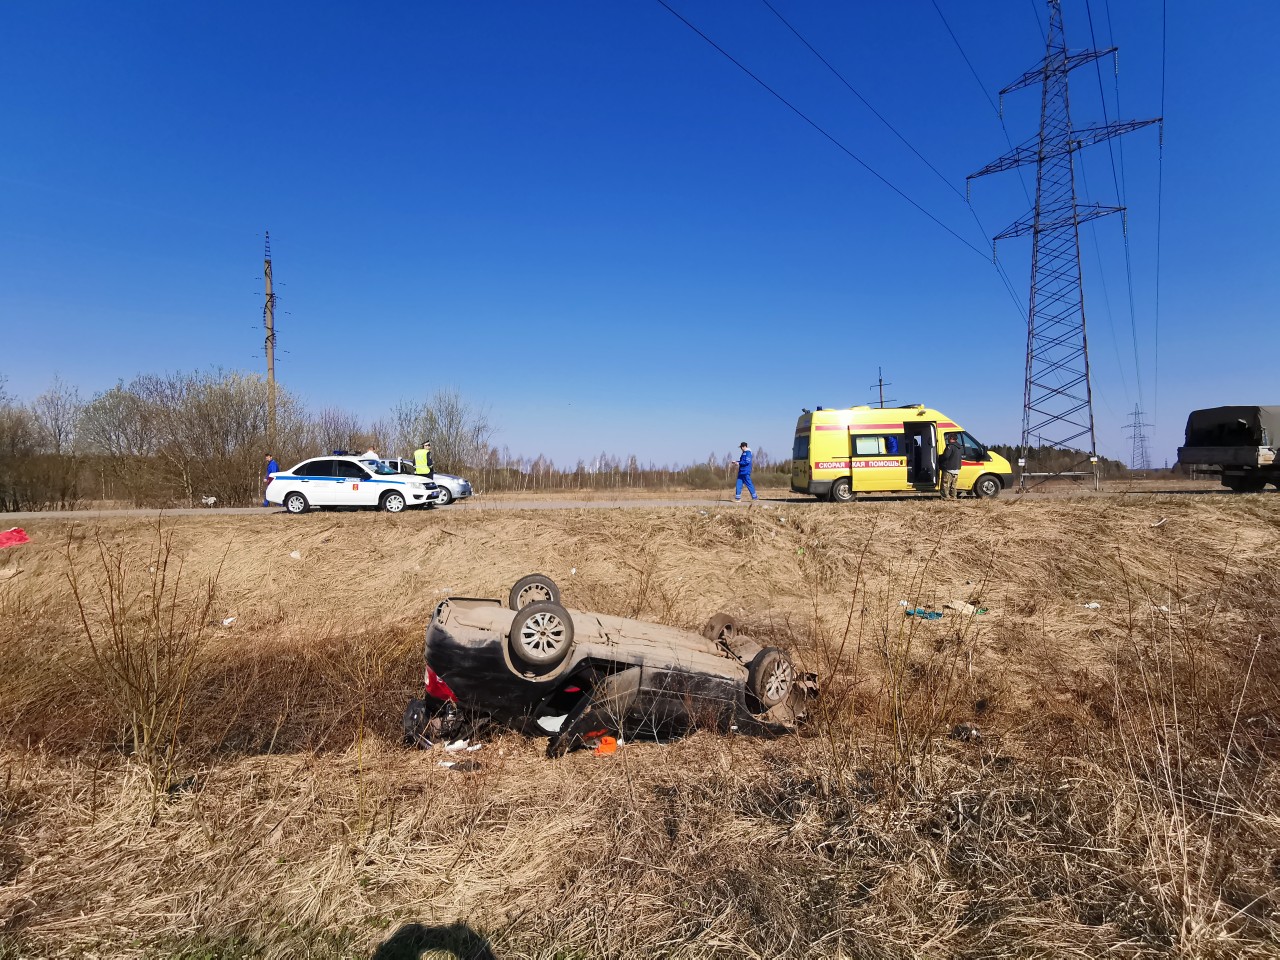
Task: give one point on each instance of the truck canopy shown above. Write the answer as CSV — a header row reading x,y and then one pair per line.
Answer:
x,y
1234,427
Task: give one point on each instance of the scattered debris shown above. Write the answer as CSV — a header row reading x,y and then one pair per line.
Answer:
x,y
573,571
456,746
296,555
1162,608
552,724
13,537
966,608
208,501
924,614
606,746
460,766
966,733
1160,523
228,621
1092,605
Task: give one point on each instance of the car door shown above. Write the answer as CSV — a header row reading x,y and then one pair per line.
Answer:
x,y
314,479
353,488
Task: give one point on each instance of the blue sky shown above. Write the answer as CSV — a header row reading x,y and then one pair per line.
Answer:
x,y
596,227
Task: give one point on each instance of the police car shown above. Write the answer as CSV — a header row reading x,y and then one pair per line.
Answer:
x,y
451,488
347,482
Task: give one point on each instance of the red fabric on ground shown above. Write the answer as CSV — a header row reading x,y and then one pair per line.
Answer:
x,y
11,538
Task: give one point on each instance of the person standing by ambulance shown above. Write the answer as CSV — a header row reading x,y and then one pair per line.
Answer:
x,y
744,474
949,466
422,465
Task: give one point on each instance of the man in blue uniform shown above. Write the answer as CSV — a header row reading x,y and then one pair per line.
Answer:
x,y
272,467
744,474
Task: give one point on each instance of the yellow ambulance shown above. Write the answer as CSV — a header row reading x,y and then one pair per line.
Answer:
x,y
841,453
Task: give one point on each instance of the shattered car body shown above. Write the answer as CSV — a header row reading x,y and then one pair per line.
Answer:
x,y
540,667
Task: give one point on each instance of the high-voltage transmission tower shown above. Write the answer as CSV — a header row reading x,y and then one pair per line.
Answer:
x,y
1139,459
1058,396
269,321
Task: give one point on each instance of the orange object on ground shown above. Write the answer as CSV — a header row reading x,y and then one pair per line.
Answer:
x,y
606,745
13,537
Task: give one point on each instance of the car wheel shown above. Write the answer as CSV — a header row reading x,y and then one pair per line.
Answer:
x,y
769,679
295,503
415,724
392,502
541,635
446,497
987,486
720,627
842,491
535,588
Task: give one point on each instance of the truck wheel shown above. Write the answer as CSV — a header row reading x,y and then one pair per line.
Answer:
x,y
986,486
535,588
541,635
842,491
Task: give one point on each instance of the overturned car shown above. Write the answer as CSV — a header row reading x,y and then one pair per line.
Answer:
x,y
540,667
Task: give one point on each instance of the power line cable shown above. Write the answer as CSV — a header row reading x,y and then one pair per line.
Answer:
x,y
894,130
1155,373
803,116
1119,182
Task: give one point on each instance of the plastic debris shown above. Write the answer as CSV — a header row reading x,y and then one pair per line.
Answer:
x,y
966,733
456,746
552,724
1161,522
1094,605
13,537
573,571
606,746
924,614
903,603
1160,609
296,555
228,621
967,608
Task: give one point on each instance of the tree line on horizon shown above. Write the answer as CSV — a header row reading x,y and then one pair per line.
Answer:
x,y
175,439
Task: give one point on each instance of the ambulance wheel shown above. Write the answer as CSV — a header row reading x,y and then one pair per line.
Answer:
x,y
987,486
842,491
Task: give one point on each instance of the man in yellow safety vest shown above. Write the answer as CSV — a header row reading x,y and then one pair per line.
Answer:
x,y
422,461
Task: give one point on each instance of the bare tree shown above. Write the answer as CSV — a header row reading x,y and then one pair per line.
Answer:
x,y
57,413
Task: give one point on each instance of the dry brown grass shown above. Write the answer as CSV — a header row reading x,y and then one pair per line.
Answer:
x,y
1043,779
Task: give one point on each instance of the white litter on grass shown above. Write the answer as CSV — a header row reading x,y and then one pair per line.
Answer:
x,y
456,746
474,747
552,724
1162,608
296,555
1092,606
229,621
445,763
572,571
1161,522
903,603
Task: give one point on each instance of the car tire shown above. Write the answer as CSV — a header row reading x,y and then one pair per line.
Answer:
x,y
842,491
392,502
540,636
535,588
295,503
769,679
415,725
446,497
720,627
987,486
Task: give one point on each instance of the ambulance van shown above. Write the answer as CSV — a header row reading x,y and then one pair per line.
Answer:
x,y
841,453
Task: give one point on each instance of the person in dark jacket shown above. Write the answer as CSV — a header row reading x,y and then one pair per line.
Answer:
x,y
744,473
949,466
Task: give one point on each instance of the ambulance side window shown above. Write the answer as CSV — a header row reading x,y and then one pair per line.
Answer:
x,y
868,446
970,449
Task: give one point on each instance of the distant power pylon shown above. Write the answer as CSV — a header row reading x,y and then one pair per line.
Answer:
x,y
1139,459
269,321
1057,396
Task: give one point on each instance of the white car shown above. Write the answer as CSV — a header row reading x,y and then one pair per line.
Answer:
x,y
347,482
451,488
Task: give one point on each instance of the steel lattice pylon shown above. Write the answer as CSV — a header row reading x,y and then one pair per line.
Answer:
x,y
1058,394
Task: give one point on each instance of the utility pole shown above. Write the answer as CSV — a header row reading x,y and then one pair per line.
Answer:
x,y
1139,459
1057,394
880,382
269,321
